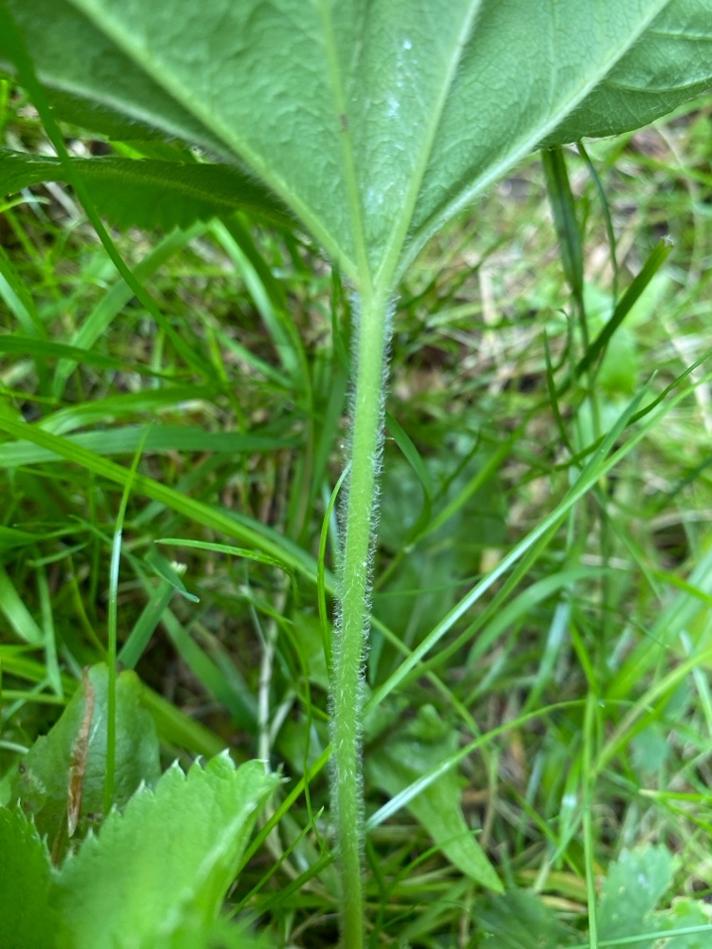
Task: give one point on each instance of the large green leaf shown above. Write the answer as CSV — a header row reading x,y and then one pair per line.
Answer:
x,y
162,866
62,777
374,122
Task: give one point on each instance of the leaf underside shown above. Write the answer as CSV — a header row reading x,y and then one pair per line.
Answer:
x,y
374,123
148,193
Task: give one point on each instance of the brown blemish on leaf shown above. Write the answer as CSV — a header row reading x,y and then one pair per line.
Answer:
x,y
78,762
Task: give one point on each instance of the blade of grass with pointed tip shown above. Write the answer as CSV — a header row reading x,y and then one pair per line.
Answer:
x,y
16,613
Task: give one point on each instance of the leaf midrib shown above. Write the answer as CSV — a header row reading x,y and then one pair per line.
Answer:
x,y
393,262
527,145
168,81
353,191
394,246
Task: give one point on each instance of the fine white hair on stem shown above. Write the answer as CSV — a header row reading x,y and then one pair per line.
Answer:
x,y
361,576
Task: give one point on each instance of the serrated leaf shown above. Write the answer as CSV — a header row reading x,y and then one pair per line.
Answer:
x,y
26,919
62,777
684,914
147,192
421,746
632,889
385,118
168,857
519,919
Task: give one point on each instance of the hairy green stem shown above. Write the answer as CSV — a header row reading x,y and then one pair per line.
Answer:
x,y
372,331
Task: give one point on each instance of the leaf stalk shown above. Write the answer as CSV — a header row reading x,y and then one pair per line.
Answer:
x,y
359,514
